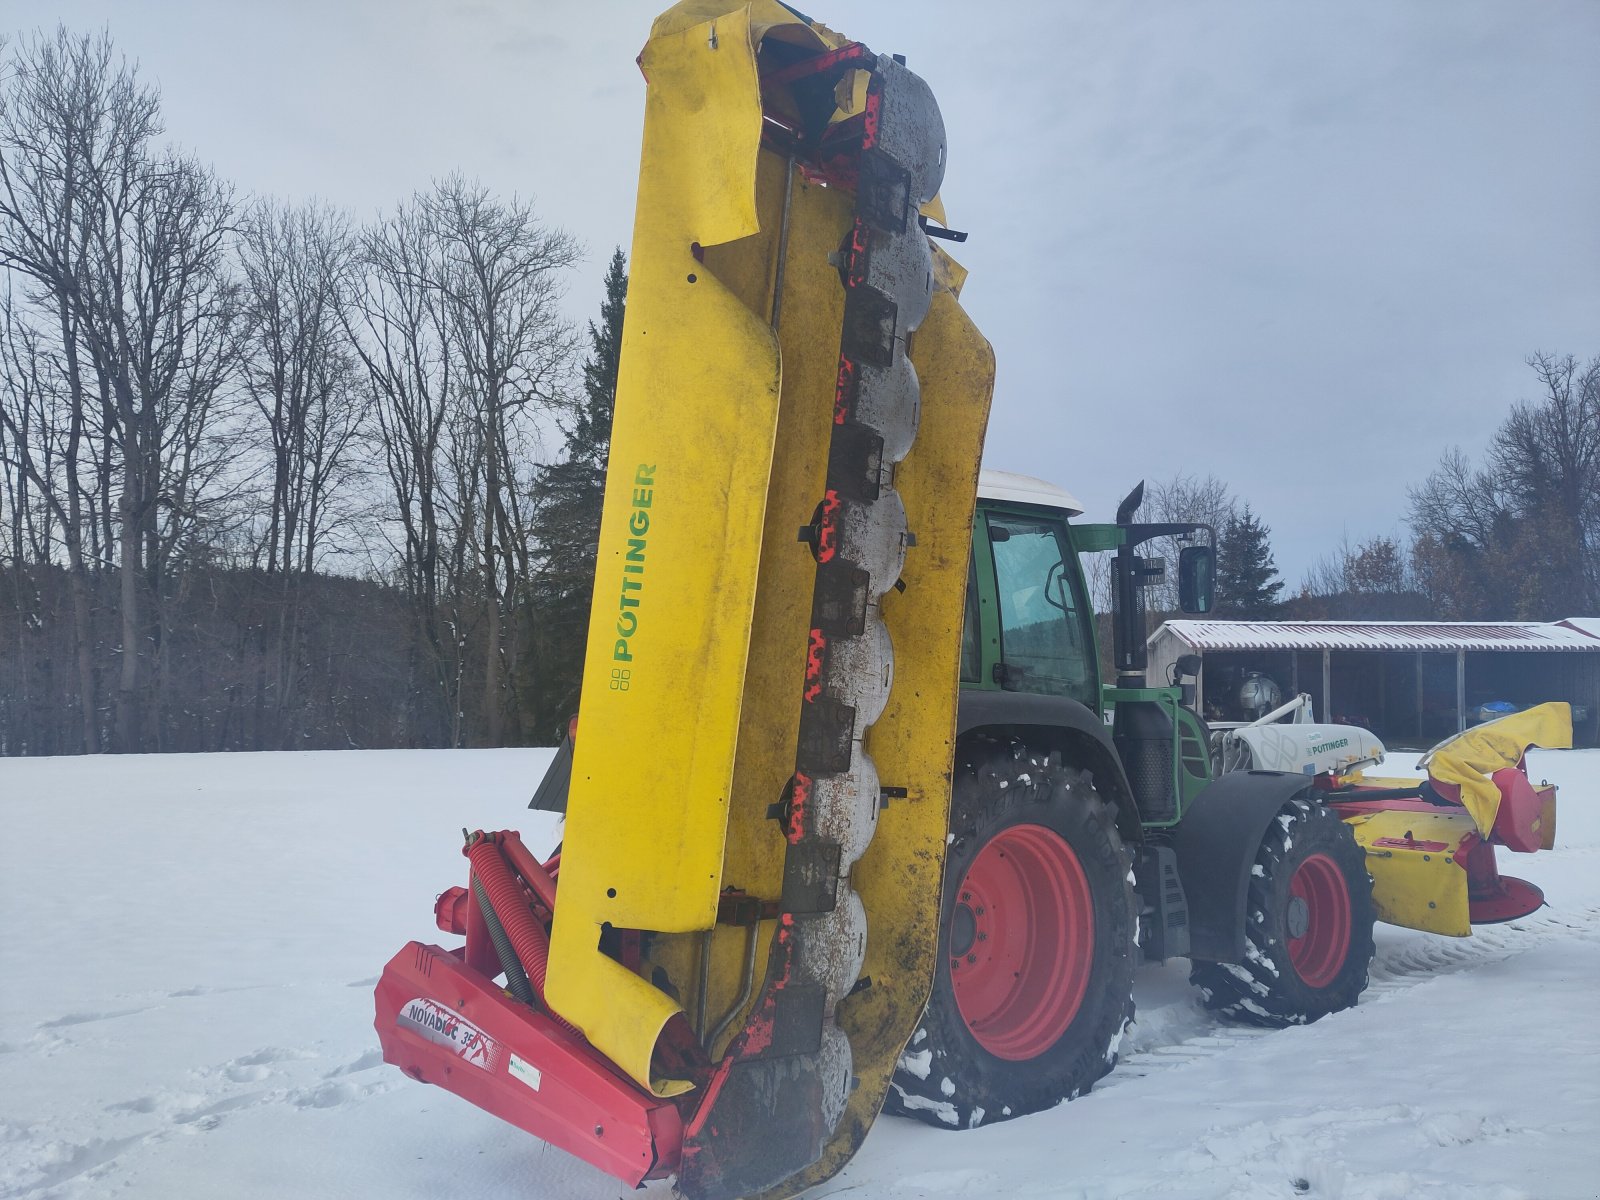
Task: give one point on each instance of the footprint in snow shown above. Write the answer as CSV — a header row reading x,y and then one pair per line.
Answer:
x,y
1457,1129
253,1068
207,1115
369,1060
56,1163
89,1018
336,1093
201,989
326,1095
140,1104
271,1054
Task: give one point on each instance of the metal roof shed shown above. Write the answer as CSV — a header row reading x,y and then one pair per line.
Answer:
x,y
1397,674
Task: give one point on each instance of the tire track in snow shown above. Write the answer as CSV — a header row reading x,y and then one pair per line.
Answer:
x,y
1396,968
1160,1058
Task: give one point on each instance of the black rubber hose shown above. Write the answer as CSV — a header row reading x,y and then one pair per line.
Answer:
x,y
1351,793
516,977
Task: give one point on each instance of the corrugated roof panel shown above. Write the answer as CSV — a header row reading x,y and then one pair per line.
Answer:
x,y
1379,635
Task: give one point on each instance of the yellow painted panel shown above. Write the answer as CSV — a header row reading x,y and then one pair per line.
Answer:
x,y
697,636
810,316
1547,817
1418,889
680,540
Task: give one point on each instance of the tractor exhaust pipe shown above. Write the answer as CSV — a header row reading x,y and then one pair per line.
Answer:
x,y
1128,607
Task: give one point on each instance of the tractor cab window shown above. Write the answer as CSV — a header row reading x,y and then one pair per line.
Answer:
x,y
1045,645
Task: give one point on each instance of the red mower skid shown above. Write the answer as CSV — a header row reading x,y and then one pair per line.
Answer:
x,y
442,1019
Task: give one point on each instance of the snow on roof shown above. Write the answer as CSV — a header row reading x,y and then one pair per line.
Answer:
x,y
1588,625
1025,489
1378,635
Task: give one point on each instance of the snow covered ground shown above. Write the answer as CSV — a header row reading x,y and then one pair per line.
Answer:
x,y
190,943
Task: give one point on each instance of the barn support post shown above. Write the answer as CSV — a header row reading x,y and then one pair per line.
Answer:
x,y
1419,695
1327,687
1461,691
1383,691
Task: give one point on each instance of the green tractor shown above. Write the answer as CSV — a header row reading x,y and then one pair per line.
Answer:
x,y
1087,833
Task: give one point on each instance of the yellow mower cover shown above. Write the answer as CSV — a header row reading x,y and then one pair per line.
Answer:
x,y
1433,862
1470,759
761,780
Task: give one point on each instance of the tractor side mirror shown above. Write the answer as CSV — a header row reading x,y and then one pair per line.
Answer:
x,y
1197,577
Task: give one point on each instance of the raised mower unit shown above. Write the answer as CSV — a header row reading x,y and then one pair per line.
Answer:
x,y
709,997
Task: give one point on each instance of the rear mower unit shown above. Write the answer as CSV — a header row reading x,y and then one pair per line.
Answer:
x,y
853,821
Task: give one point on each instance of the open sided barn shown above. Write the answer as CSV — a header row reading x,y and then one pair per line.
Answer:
x,y
1412,683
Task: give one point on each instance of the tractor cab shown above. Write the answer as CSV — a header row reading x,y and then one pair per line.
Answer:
x,y
1029,623
1030,627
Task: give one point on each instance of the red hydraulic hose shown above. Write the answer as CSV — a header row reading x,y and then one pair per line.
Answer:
x,y
511,906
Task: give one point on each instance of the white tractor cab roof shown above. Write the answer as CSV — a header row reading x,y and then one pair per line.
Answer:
x,y
1025,489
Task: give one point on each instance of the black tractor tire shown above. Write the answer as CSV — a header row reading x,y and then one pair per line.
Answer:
x,y
1062,841
1308,925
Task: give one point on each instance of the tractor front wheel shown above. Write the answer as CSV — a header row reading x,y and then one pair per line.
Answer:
x,y
1308,925
1036,945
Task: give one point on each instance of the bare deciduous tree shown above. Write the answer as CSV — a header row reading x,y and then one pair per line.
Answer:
x,y
309,396
125,247
502,286
1520,536
200,406
1183,498
461,335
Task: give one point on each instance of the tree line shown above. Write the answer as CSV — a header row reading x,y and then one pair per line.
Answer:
x,y
1515,536
270,478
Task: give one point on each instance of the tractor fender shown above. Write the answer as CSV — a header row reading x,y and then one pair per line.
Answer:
x,y
1063,724
1216,844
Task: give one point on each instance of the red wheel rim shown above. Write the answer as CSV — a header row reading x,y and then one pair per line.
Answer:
x,y
1021,942
1319,920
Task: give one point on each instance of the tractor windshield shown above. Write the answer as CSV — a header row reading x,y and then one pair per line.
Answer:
x,y
1041,617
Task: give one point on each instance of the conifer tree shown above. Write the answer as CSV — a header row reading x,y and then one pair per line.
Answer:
x,y
566,525
1247,582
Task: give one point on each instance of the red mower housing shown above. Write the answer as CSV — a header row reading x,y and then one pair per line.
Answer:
x,y
442,1019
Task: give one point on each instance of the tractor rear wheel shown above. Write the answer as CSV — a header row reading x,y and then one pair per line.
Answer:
x,y
1308,925
1034,985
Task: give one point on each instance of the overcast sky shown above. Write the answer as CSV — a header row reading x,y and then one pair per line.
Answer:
x,y
1302,246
